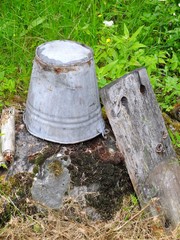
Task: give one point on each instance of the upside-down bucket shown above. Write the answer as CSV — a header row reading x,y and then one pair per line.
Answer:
x,y
63,100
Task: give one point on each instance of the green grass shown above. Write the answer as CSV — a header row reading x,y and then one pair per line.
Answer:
x,y
26,24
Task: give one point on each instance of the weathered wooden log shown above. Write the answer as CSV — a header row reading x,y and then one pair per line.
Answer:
x,y
141,135
8,133
2,161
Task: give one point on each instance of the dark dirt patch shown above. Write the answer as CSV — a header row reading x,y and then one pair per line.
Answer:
x,y
99,161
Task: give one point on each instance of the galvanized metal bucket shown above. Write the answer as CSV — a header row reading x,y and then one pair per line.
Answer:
x,y
63,100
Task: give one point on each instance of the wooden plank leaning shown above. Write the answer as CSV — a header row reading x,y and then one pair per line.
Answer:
x,y
142,137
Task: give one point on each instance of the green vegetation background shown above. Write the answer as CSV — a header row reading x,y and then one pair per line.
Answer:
x,y
142,33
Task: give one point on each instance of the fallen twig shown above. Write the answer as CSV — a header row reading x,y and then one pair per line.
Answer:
x,y
152,201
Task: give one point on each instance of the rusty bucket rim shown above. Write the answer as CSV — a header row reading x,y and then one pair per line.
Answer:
x,y
65,65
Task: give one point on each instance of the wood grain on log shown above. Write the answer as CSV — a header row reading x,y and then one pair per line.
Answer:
x,y
8,133
141,135
2,162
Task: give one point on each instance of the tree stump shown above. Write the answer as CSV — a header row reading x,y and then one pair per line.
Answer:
x,y
142,137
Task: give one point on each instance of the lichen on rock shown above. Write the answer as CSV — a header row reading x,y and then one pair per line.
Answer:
x,y
56,167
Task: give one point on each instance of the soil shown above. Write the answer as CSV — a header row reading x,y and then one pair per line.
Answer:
x,y
91,163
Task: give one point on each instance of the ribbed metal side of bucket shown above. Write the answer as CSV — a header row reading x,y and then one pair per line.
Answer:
x,y
67,131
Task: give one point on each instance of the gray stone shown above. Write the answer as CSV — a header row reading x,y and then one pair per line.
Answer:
x,y
28,148
51,183
79,193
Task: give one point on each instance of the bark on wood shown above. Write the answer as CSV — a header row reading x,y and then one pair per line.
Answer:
x,y
141,135
2,161
8,133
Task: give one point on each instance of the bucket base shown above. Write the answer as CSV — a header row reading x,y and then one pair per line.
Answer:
x,y
64,135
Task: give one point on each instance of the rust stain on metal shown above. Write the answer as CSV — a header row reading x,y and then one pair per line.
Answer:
x,y
44,66
59,70
89,62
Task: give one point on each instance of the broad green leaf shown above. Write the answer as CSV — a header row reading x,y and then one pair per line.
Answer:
x,y
2,75
126,31
119,42
137,46
3,165
174,61
134,62
161,60
162,54
112,52
33,24
102,82
104,70
133,37
101,57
